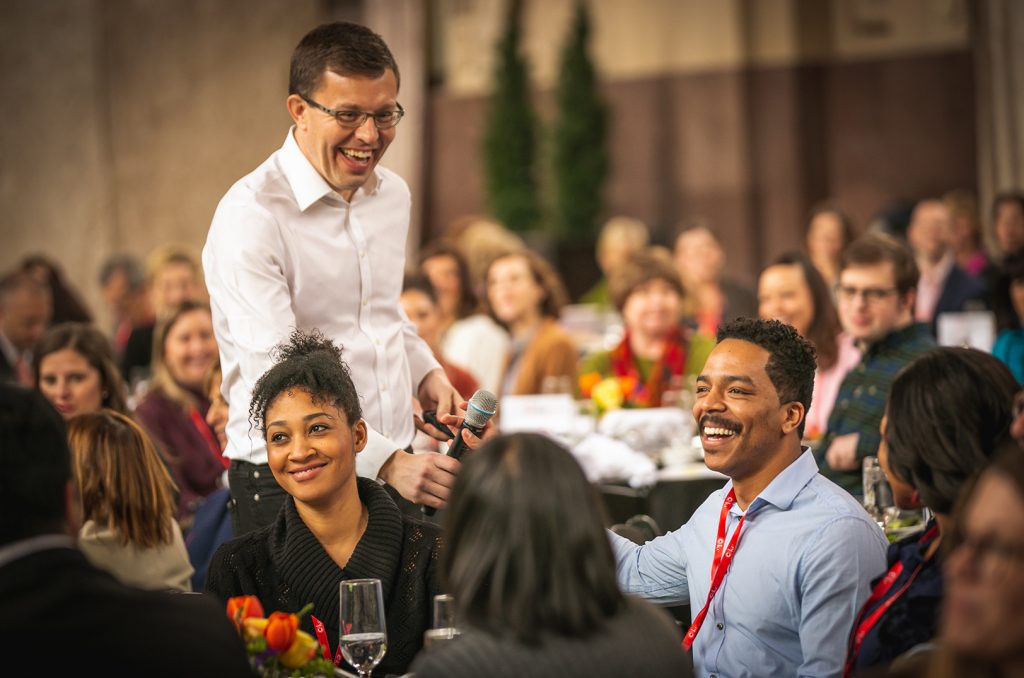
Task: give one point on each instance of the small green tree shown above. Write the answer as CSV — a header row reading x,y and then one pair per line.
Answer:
x,y
509,139
579,159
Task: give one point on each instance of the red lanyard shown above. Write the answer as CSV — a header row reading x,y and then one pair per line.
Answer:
x,y
865,624
719,566
204,431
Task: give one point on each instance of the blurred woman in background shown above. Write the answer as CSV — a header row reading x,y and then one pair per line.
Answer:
x,y
792,290
531,570
829,231
525,295
947,412
174,408
656,352
125,496
76,372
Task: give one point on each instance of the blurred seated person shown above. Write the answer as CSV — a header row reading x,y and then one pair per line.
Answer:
x,y
465,334
525,295
792,290
480,239
25,309
67,302
620,237
943,287
829,231
420,304
533,577
970,253
333,525
76,372
125,292
126,497
52,599
174,407
712,298
173,278
1009,308
946,414
656,353
1008,222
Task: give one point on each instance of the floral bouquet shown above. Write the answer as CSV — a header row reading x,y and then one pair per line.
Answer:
x,y
275,644
607,393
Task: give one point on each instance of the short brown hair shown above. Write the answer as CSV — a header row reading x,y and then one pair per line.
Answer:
x,y
344,48
639,269
876,248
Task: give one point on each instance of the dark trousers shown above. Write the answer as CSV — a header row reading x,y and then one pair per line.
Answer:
x,y
256,497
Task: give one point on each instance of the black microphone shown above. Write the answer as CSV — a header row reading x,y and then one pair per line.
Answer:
x,y
479,411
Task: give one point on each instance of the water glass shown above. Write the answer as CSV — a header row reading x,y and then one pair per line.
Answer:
x,y
877,493
364,638
445,627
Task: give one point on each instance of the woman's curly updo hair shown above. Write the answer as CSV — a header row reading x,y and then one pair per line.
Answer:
x,y
310,362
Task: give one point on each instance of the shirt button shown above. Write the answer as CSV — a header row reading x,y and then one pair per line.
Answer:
x,y
844,404
255,474
383,388
362,253
365,302
857,391
720,626
872,390
255,497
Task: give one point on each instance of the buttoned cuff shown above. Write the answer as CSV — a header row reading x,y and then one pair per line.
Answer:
x,y
377,451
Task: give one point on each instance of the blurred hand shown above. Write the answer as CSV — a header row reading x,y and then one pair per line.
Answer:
x,y
426,478
437,393
842,453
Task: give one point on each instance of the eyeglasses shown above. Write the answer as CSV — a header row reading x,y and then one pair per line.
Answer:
x,y
872,295
356,119
992,557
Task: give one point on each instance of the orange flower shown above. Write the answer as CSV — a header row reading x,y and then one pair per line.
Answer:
x,y
241,608
627,384
280,631
587,383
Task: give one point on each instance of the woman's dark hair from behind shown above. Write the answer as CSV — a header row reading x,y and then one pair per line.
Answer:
x,y
307,361
947,412
527,553
825,327
88,342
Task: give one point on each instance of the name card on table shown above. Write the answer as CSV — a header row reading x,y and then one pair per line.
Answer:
x,y
973,329
553,414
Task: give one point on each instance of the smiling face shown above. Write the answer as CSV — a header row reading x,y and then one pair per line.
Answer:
x,y
870,307
984,576
512,290
783,294
345,158
737,409
190,348
217,415
443,272
311,448
176,282
652,309
422,311
68,381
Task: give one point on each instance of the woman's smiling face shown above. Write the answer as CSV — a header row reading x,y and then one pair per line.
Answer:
x,y
311,447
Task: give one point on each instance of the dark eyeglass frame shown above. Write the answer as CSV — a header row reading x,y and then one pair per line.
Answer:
x,y
872,295
382,120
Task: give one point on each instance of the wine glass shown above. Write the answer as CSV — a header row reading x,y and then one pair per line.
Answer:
x,y
444,626
364,637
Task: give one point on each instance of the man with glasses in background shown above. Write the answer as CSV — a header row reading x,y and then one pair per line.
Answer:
x,y
315,238
875,298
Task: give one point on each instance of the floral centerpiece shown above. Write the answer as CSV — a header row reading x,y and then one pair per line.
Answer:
x,y
607,393
275,644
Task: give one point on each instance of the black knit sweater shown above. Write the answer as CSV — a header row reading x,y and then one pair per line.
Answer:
x,y
285,566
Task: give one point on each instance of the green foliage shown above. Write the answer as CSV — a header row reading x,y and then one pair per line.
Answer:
x,y
509,139
579,154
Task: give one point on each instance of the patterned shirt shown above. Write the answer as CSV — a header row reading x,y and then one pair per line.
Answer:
x,y
861,401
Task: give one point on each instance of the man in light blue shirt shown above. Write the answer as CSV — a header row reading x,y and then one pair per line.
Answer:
x,y
807,552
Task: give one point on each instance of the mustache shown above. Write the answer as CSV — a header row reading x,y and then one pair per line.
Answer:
x,y
718,422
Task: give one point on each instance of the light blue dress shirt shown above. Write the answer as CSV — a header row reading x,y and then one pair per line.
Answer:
x,y
802,569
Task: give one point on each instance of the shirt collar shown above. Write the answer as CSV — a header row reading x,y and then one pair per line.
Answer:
x,y
24,547
307,184
782,490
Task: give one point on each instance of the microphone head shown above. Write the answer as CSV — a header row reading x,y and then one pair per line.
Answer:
x,y
482,407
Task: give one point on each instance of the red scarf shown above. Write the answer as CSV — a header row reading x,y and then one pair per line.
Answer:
x,y
648,393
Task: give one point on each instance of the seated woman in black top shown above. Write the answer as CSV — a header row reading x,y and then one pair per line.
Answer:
x,y
946,414
532,572
334,525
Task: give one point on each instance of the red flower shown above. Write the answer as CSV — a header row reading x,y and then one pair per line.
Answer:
x,y
280,631
243,607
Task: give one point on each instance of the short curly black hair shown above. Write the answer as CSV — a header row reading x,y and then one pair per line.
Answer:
x,y
311,362
792,359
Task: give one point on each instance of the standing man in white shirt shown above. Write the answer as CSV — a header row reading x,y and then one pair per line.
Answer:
x,y
315,238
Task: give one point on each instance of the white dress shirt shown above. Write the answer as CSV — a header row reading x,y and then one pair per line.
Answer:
x,y
287,251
